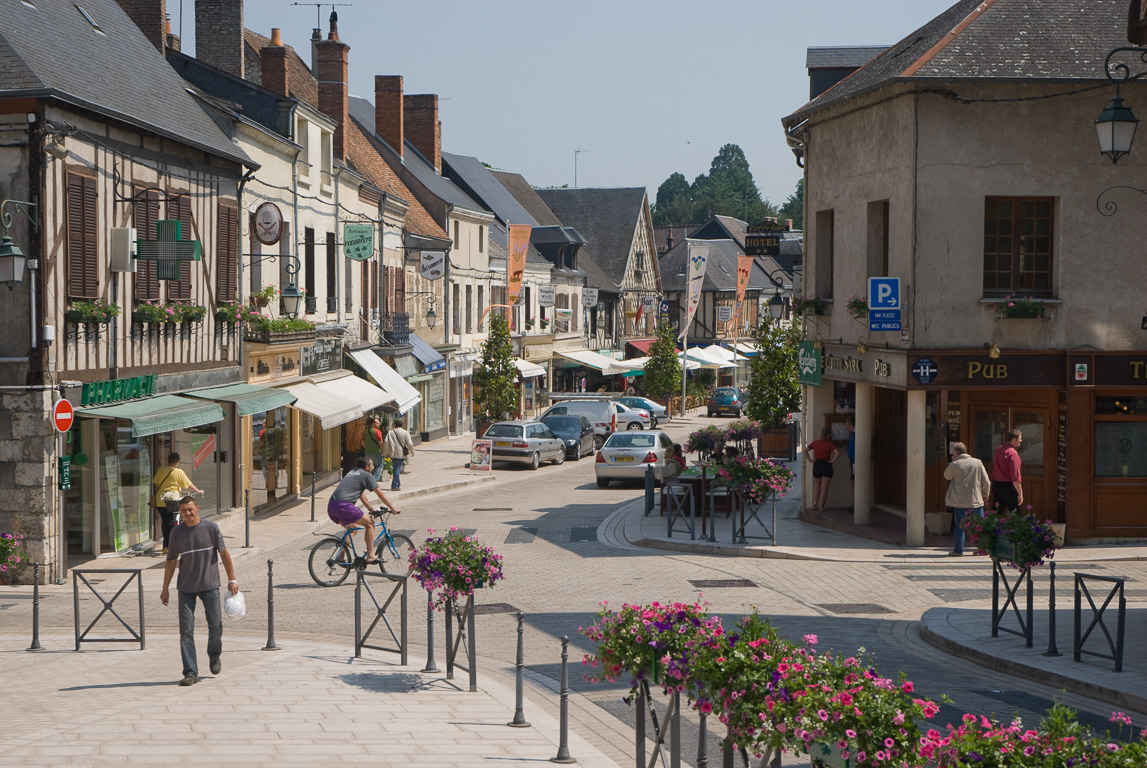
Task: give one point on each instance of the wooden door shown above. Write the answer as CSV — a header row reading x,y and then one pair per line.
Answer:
x,y
889,457
989,423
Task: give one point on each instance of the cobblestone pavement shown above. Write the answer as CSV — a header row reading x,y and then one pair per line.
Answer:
x,y
564,556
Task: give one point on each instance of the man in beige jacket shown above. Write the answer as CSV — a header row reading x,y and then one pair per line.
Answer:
x,y
968,486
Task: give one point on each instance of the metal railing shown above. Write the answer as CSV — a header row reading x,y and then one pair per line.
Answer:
x,y
998,613
462,639
108,606
398,589
1115,646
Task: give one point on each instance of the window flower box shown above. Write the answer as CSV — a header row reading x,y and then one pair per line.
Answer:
x,y
97,312
857,307
810,305
1021,307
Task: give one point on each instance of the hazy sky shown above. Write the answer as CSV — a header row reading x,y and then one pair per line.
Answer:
x,y
644,88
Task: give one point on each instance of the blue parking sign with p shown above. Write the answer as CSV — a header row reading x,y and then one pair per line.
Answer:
x,y
884,310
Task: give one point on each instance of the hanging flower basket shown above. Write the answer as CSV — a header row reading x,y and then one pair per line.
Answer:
x,y
451,567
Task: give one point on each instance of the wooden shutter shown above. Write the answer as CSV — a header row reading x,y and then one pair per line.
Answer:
x,y
180,290
400,288
83,274
226,254
309,262
146,215
332,270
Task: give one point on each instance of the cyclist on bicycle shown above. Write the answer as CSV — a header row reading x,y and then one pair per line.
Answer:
x,y
341,508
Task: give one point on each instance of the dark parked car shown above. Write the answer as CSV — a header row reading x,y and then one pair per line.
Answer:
x,y
575,431
725,400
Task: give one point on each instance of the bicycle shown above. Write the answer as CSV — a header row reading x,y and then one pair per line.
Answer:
x,y
333,558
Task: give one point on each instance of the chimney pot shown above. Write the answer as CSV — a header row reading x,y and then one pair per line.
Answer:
x,y
788,224
276,38
334,35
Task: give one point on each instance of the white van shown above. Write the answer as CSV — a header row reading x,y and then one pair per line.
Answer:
x,y
602,414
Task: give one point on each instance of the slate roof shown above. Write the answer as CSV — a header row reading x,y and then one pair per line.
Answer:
x,y
666,236
480,182
720,268
606,218
528,197
1004,39
51,51
253,101
840,57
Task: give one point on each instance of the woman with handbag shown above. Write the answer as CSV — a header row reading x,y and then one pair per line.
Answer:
x,y
373,445
401,447
171,484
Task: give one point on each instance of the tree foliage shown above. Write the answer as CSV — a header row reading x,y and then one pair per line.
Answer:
x,y
774,391
727,190
497,398
794,206
663,370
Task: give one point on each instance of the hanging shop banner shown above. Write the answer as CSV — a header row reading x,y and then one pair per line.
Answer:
x,y
809,363
516,260
432,265
698,257
744,269
547,296
589,298
358,241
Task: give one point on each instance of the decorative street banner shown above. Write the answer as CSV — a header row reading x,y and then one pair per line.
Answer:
x,y
516,260
589,298
432,265
695,261
744,269
809,363
358,241
547,296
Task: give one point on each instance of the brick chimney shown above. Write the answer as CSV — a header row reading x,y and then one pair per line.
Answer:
x,y
274,62
150,16
388,110
219,35
172,40
332,73
789,224
422,127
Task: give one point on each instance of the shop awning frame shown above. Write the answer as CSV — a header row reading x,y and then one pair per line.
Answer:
x,y
328,407
430,358
591,359
528,370
404,395
165,413
247,398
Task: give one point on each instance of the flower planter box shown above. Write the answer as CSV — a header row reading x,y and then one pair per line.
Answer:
x,y
1060,533
1004,549
72,316
1030,313
938,523
267,337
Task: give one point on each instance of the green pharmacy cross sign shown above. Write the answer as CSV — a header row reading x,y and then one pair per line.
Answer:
x,y
169,250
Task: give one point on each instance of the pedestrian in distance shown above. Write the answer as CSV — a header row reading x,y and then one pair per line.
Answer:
x,y
197,546
851,424
171,485
822,454
1007,482
353,487
401,447
968,486
373,444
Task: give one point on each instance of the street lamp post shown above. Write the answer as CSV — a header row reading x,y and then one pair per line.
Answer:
x,y
1116,124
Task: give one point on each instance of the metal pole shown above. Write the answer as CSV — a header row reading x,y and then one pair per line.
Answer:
x,y
430,665
270,646
315,459
675,733
358,615
450,640
684,363
471,643
519,720
563,755
639,702
246,518
404,657
1052,650
702,743
35,646
1030,630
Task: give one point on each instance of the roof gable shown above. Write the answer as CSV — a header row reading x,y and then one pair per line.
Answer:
x,y
527,197
606,218
480,182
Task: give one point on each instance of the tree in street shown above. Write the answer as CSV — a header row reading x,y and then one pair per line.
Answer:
x,y
497,398
774,391
794,206
728,190
663,370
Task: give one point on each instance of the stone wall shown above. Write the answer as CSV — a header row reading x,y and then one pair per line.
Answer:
x,y
27,479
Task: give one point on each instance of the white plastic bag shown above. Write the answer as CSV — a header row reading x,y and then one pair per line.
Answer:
x,y
235,606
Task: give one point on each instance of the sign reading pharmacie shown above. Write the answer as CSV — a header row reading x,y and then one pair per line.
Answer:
x,y
104,392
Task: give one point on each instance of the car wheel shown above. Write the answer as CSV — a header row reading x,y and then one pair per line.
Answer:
x,y
633,425
709,414
598,442
560,458
602,482
577,453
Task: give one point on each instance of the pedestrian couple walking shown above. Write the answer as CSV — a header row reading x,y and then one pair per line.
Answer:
x,y
969,485
396,445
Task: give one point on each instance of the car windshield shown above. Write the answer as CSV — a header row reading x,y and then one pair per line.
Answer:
x,y
563,423
726,392
504,430
630,441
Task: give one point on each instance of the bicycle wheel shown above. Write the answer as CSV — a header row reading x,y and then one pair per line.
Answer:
x,y
329,562
395,559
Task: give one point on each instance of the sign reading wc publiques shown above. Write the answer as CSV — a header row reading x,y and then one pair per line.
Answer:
x,y
358,241
884,308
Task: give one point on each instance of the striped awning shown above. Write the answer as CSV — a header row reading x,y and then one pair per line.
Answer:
x,y
248,398
165,413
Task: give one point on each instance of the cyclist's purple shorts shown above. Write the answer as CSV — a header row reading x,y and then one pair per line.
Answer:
x,y
343,512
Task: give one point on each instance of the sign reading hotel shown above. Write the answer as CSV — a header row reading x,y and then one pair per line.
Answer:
x,y
358,241
764,239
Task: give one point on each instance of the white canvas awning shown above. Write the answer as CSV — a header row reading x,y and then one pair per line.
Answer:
x,y
698,356
587,357
639,363
401,392
528,370
329,408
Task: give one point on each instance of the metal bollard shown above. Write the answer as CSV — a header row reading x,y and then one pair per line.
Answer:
x,y
270,646
650,485
1052,650
35,646
703,742
519,720
563,755
675,732
246,518
314,473
430,665
472,642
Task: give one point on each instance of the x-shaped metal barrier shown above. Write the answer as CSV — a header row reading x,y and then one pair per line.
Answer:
x,y
998,613
1116,645
397,584
108,606
678,496
463,639
739,534
670,729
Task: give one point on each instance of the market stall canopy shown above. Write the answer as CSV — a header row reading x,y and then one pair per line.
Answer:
x,y
720,353
401,392
329,408
248,398
639,364
528,370
591,359
704,360
153,415
748,350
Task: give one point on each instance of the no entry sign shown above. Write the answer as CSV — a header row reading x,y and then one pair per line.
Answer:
x,y
62,415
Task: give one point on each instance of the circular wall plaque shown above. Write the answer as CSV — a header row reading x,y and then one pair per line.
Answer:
x,y
268,223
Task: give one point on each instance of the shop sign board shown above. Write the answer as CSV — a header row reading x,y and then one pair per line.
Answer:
x,y
724,314
589,297
323,355
358,241
432,264
481,455
808,360
268,223
65,478
1110,370
103,392
924,370
547,296
764,239
980,370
